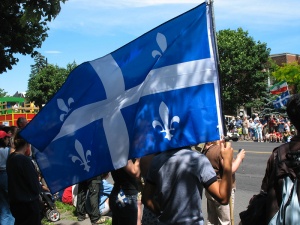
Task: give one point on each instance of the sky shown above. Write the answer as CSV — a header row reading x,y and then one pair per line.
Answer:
x,y
89,29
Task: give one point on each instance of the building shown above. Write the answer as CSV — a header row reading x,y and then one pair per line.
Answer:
x,y
279,59
285,58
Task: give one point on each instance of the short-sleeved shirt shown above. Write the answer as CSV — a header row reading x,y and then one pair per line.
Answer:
x,y
213,153
4,152
179,177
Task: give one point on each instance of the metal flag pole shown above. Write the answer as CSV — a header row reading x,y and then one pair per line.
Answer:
x,y
210,4
211,8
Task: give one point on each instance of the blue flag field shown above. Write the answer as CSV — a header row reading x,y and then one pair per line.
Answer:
x,y
281,100
158,92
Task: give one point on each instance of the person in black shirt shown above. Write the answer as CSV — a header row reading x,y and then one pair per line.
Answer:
x,y
23,185
123,198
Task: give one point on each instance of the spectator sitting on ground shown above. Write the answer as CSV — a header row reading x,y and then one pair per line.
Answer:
x,y
276,137
267,137
273,136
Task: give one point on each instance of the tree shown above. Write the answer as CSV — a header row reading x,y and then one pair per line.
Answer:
x,y
40,63
43,85
241,68
2,93
24,27
289,72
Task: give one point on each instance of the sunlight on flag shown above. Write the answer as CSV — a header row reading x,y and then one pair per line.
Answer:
x,y
158,92
281,100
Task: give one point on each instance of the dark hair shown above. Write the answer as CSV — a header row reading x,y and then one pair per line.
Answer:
x,y
20,121
293,110
2,143
19,141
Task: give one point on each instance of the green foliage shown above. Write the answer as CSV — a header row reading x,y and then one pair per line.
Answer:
x,y
242,69
290,73
3,93
46,82
268,109
24,27
40,63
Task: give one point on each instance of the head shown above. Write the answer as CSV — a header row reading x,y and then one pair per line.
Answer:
x,y
4,139
21,144
293,110
208,144
21,122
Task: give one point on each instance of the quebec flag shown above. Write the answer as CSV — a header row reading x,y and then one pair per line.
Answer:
x,y
281,100
158,92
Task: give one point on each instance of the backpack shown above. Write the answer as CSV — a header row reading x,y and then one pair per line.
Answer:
x,y
287,171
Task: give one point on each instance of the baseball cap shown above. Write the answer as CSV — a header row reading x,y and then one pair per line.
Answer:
x,y
3,134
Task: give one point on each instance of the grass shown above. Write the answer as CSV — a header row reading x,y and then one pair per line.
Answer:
x,y
67,212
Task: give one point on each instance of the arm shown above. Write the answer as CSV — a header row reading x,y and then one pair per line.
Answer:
x,y
221,191
237,162
133,169
148,199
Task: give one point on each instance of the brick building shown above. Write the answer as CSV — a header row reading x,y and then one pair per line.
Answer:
x,y
285,58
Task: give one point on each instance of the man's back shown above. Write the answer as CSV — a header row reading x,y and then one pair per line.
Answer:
x,y
179,176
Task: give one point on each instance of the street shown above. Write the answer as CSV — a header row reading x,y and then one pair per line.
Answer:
x,y
249,174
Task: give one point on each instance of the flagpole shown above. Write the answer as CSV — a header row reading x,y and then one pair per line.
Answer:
x,y
212,15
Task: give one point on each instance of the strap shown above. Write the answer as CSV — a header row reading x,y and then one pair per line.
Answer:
x,y
288,202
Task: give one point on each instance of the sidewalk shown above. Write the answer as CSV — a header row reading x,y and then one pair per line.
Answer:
x,y
72,222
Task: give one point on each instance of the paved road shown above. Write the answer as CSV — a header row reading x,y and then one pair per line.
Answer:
x,y
250,173
248,177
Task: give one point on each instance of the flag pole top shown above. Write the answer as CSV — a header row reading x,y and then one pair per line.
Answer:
x,y
208,2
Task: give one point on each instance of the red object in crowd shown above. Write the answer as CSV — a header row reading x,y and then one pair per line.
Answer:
x,y
67,196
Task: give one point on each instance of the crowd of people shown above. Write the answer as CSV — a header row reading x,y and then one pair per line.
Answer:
x,y
157,189
263,129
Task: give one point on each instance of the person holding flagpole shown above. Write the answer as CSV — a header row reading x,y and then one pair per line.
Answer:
x,y
175,181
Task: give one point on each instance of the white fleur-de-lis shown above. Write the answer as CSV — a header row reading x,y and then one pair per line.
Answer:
x,y
162,44
63,107
83,157
164,115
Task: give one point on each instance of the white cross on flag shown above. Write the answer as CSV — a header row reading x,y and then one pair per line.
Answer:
x,y
160,91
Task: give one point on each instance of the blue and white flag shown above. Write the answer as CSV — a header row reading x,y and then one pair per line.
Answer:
x,y
158,92
281,100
